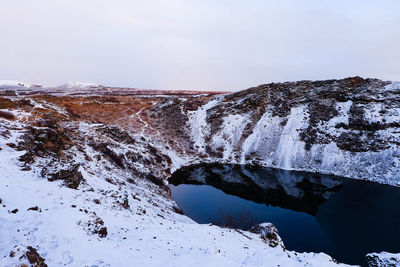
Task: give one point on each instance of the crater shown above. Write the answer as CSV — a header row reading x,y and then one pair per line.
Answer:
x,y
345,218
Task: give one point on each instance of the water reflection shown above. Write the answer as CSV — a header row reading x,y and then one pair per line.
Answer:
x,y
292,190
343,217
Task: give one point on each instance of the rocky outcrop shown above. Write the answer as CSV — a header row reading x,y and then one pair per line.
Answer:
x,y
116,134
71,176
117,159
383,259
29,255
6,115
268,234
348,127
48,141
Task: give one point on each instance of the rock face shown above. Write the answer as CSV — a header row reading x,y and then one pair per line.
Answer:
x,y
47,140
348,127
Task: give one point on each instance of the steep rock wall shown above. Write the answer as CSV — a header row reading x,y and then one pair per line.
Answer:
x,y
348,127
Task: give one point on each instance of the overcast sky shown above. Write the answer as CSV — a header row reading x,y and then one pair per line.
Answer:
x,y
202,44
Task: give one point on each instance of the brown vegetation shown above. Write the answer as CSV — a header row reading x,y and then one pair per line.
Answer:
x,y
6,115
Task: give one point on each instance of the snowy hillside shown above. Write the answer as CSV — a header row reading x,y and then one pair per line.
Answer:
x,y
15,84
347,127
83,178
77,84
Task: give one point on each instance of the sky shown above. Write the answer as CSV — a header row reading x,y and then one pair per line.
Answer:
x,y
198,44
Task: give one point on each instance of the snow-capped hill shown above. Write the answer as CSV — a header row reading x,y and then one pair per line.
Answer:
x,y
78,85
4,84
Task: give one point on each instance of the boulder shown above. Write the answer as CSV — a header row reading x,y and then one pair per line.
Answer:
x,y
269,234
71,176
26,256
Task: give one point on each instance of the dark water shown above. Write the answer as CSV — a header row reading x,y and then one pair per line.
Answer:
x,y
344,218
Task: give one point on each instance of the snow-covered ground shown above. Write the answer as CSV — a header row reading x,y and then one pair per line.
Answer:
x,y
78,84
383,259
14,84
121,213
65,225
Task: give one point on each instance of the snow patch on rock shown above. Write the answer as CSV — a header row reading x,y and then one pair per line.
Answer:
x,y
229,135
77,84
383,259
199,126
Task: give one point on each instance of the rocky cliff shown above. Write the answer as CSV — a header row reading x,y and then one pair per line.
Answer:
x,y
348,127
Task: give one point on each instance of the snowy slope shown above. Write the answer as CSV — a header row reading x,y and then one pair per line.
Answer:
x,y
118,152
78,84
14,84
347,127
66,226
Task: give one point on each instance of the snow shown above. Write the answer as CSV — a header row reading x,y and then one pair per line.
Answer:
x,y
394,87
77,84
264,137
199,126
277,146
58,234
275,142
12,84
383,259
229,136
147,233
290,147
